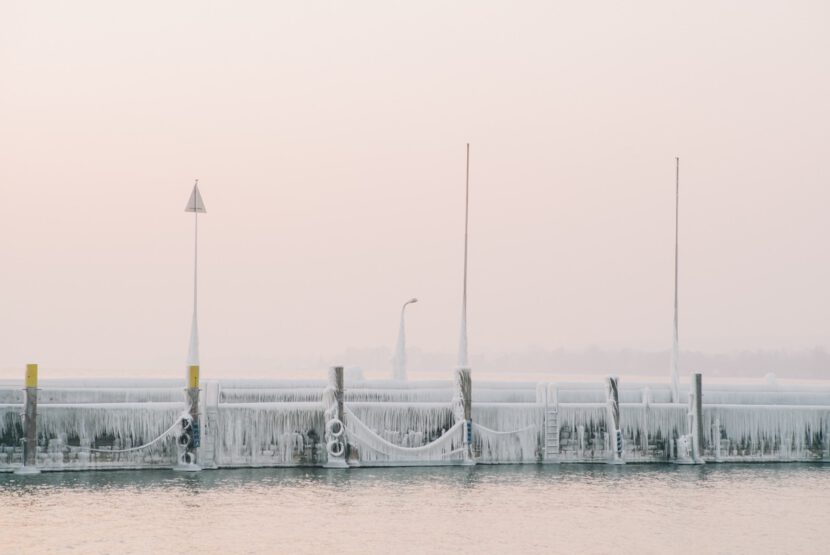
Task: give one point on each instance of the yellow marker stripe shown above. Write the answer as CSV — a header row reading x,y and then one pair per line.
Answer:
x,y
193,377
31,375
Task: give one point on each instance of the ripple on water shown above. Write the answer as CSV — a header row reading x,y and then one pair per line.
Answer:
x,y
495,509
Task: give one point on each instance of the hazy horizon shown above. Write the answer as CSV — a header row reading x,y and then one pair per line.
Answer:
x,y
329,144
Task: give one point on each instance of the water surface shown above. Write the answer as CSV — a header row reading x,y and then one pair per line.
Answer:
x,y
773,508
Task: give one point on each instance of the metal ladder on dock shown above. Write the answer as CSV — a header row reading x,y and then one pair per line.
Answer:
x,y
551,400
551,433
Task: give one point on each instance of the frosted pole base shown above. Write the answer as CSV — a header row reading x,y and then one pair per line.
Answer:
x,y
27,471
616,461
187,467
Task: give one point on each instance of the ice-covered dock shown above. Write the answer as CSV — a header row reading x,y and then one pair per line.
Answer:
x,y
103,424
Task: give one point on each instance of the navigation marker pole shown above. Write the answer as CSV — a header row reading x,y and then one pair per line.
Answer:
x,y
190,439
675,349
462,400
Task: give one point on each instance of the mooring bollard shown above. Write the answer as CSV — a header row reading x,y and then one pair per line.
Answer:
x,y
697,418
335,416
463,410
612,399
30,424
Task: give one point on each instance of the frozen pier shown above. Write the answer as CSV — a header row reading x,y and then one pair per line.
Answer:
x,y
105,424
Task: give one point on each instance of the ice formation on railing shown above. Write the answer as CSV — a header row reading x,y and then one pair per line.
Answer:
x,y
372,447
109,395
507,432
11,396
270,434
415,393
766,432
298,395
404,424
124,424
736,397
649,429
68,432
11,432
583,430
281,422
515,446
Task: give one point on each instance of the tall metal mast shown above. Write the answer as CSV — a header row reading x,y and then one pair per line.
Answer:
x,y
675,349
463,361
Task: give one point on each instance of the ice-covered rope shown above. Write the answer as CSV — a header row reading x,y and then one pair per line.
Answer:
x,y
486,430
184,416
357,431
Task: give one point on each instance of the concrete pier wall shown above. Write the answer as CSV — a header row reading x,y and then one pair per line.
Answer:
x,y
250,423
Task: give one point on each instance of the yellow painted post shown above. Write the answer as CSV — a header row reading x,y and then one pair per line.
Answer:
x,y
31,375
193,377
30,423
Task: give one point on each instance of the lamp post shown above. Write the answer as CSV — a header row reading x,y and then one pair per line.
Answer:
x,y
399,370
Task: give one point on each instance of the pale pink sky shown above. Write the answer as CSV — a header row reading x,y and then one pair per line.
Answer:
x,y
328,138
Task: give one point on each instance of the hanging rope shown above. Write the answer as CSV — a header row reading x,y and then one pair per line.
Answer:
x,y
489,431
359,432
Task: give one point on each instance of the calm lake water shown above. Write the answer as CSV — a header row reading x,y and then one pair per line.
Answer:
x,y
781,508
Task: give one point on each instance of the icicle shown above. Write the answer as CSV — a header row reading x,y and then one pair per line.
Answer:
x,y
270,434
380,448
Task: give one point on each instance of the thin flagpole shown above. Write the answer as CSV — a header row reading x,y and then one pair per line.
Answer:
x,y
675,355
195,258
462,350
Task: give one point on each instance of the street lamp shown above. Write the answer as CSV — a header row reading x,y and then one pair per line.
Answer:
x,y
399,362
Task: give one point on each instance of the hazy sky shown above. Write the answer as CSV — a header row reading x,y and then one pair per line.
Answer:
x,y
328,138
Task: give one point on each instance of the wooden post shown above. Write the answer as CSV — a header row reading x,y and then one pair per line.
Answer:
x,y
335,414
697,418
30,423
612,399
339,393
